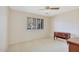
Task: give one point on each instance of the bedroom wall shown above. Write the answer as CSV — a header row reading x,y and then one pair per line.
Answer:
x,y
19,33
3,28
67,22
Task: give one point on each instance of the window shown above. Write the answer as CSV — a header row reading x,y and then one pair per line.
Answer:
x,y
34,23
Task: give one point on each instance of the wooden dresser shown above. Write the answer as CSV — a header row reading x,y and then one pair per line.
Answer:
x,y
73,45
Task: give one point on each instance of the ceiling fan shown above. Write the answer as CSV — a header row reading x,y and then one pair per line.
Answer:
x,y
50,8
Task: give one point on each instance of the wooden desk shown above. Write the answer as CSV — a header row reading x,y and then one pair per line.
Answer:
x,y
62,35
73,45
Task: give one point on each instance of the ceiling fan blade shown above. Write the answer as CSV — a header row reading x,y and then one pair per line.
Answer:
x,y
50,8
54,8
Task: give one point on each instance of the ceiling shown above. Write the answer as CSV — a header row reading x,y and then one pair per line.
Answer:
x,y
37,10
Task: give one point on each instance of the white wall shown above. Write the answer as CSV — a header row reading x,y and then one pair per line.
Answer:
x,y
18,32
3,28
67,22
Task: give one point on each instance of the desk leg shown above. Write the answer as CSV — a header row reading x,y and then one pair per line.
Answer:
x,y
54,37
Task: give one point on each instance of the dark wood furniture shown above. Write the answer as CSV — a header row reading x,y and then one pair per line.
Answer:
x,y
73,45
62,35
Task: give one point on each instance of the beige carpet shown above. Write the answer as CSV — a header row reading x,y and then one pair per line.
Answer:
x,y
41,45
